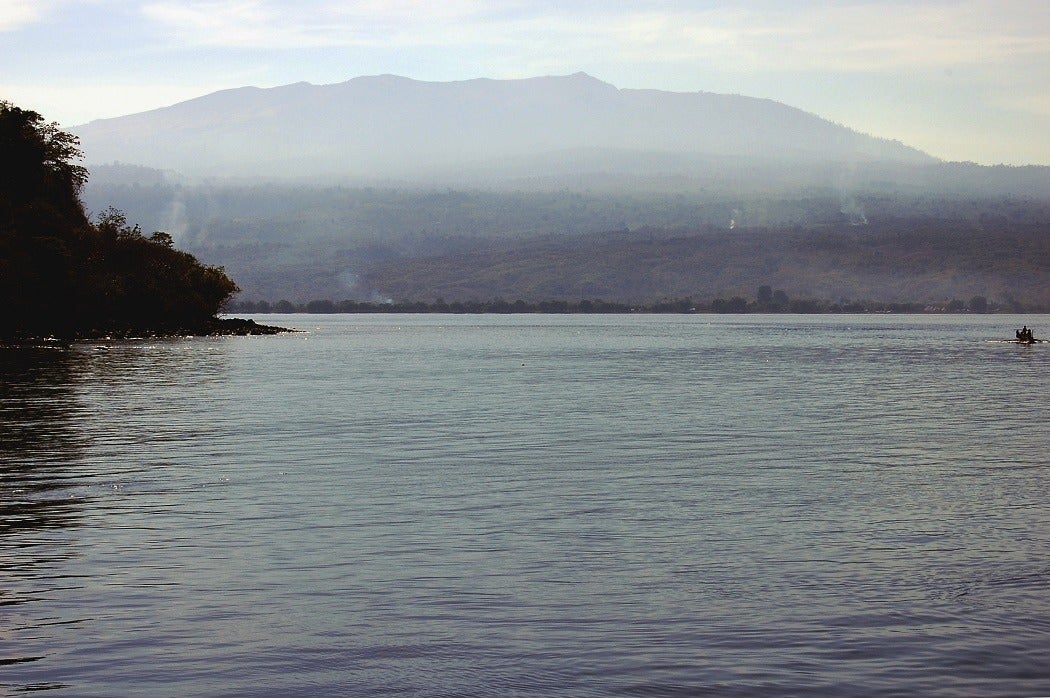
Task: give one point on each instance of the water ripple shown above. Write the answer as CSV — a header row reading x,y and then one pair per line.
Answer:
x,y
578,506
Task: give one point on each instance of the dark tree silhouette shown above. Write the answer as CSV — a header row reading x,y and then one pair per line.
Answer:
x,y
61,275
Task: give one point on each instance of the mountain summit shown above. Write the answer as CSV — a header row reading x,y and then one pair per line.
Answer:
x,y
387,126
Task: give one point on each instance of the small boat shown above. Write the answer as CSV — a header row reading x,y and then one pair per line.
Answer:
x,y
1025,336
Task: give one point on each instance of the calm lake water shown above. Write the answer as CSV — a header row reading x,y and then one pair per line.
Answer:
x,y
531,506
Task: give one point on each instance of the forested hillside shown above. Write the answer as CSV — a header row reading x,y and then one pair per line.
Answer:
x,y
302,243
902,260
562,187
62,275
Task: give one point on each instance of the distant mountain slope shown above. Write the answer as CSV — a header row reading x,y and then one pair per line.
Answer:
x,y
307,242
902,260
394,127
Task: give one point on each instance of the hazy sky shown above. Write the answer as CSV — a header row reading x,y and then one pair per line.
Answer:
x,y
960,79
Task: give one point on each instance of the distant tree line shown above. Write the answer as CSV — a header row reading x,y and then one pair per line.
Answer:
x,y
301,242
767,301
63,275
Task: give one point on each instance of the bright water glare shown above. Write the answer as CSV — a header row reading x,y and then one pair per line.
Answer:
x,y
531,506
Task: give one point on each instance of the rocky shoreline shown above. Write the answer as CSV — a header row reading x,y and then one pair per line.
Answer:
x,y
215,327
241,327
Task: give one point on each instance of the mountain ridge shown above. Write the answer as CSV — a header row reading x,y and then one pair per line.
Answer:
x,y
397,127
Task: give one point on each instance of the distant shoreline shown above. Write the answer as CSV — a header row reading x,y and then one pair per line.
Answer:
x,y
733,306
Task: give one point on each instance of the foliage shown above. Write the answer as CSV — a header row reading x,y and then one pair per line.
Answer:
x,y
62,275
302,242
929,262
688,305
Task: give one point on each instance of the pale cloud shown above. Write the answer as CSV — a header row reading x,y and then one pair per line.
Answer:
x,y
283,25
80,103
880,37
847,37
220,23
1037,104
16,14
868,37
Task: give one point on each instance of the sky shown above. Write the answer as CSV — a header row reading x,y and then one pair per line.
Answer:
x,y
963,80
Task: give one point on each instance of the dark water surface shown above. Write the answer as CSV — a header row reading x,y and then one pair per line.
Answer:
x,y
532,506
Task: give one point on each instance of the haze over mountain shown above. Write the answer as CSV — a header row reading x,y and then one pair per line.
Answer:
x,y
387,187
371,128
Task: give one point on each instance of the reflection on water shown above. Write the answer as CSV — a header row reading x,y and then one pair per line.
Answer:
x,y
572,506
65,430
40,439
41,444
